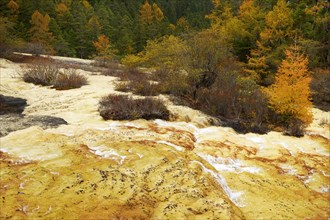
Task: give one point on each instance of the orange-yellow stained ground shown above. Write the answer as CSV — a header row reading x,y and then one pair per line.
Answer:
x,y
102,174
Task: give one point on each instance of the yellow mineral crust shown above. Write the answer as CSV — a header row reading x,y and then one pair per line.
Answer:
x,y
159,172
128,179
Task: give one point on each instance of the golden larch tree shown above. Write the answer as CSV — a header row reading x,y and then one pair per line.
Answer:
x,y
61,9
102,45
289,95
279,24
257,67
105,53
40,30
13,6
146,14
159,15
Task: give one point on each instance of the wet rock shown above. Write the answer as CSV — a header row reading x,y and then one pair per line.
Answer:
x,y
12,119
10,104
14,122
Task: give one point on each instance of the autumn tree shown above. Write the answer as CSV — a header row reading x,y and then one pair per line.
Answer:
x,y
257,67
182,26
151,25
289,95
146,14
104,50
14,9
162,53
39,32
220,13
251,17
279,25
158,13
274,38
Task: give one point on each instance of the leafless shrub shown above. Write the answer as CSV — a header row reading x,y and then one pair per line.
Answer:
x,y
124,107
70,79
49,74
40,74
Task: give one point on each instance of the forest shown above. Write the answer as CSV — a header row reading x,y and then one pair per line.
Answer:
x,y
256,65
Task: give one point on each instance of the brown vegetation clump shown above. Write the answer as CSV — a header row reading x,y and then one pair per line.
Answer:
x,y
236,100
47,74
40,74
136,82
70,79
124,107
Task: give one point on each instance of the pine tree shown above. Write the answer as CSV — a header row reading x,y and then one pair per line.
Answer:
x,y
289,95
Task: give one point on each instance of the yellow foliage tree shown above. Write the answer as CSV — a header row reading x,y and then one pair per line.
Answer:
x,y
162,53
279,23
289,95
257,67
159,15
102,45
40,30
221,13
13,6
103,48
146,15
273,39
182,25
61,9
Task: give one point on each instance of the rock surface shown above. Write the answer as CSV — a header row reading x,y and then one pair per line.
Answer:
x,y
92,169
14,122
11,117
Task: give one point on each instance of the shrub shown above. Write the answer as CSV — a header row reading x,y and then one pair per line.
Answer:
x,y
173,82
40,74
70,79
35,48
106,62
132,61
295,127
125,75
124,107
47,74
237,101
145,88
137,82
122,86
